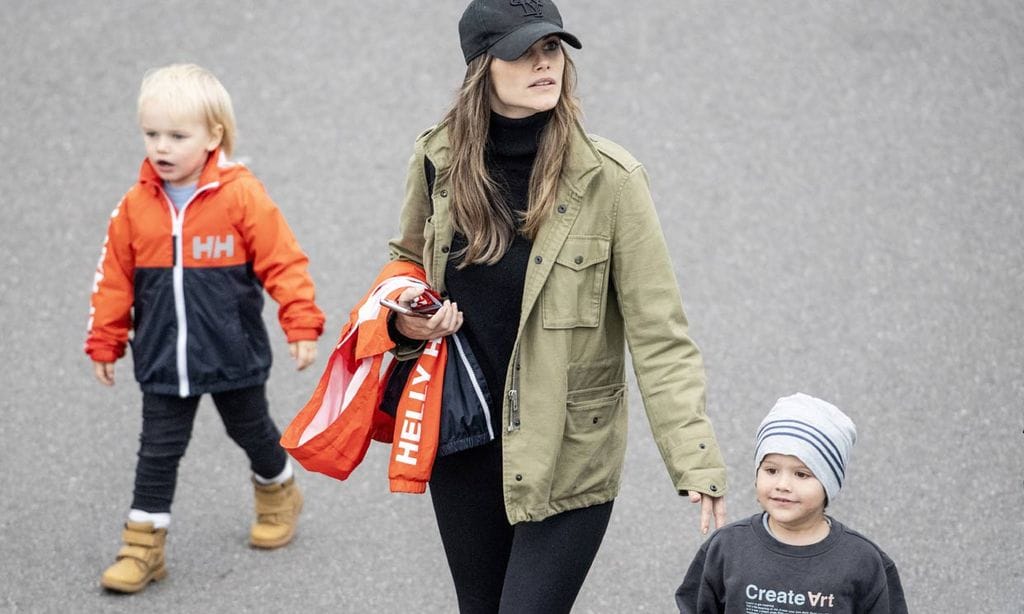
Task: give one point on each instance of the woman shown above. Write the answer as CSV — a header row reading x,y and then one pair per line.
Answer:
x,y
546,245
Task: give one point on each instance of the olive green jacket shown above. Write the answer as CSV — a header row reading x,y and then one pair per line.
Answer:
x,y
599,275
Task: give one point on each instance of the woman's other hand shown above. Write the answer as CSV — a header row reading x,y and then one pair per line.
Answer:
x,y
447,319
709,506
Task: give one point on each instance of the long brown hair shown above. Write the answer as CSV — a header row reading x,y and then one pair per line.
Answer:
x,y
478,210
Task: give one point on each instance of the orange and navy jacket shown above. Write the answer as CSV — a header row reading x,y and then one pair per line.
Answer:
x,y
189,284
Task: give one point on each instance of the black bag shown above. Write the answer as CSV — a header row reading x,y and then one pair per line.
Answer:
x,y
465,399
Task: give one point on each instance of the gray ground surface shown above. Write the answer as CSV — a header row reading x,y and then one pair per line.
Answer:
x,y
840,182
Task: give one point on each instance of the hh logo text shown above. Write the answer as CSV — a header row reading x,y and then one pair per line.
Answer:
x,y
213,247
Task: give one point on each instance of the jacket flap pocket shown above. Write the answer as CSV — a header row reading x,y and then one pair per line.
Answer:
x,y
581,251
589,398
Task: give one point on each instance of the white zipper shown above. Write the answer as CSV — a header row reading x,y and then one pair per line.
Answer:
x,y
178,275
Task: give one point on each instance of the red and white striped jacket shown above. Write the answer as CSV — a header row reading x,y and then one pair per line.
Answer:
x,y
332,432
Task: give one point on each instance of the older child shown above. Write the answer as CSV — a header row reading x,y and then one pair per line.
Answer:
x,y
188,252
792,557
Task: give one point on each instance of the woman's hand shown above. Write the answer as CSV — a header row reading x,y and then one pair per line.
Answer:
x,y
444,322
709,506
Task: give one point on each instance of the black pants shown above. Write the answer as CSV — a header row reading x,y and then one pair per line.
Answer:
x,y
167,428
530,567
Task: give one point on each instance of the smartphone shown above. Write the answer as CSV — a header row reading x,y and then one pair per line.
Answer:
x,y
399,308
427,303
421,308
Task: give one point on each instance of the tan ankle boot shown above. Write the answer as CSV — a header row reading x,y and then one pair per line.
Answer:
x,y
140,560
277,512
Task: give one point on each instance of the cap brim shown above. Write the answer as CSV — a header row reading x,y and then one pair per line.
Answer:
x,y
515,43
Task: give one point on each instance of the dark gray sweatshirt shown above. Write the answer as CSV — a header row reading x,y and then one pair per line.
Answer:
x,y
742,569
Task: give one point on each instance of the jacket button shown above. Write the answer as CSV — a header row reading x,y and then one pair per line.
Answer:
x,y
538,259
562,208
519,477
444,193
596,419
702,446
444,250
578,260
714,488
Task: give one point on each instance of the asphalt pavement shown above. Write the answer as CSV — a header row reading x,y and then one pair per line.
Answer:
x,y
840,183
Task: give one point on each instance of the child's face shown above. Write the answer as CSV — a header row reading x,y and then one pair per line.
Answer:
x,y
789,492
176,147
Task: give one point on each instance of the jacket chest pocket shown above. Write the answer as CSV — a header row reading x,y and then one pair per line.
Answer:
x,y
574,293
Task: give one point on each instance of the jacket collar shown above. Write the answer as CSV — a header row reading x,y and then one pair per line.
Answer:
x,y
582,164
218,169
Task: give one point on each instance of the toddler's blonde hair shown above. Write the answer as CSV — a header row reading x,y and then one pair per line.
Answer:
x,y
192,92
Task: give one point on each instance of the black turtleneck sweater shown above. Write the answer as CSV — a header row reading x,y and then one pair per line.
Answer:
x,y
490,296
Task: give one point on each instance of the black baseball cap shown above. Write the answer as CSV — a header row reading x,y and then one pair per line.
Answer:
x,y
507,28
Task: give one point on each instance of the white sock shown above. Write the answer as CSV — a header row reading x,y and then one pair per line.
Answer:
x,y
280,478
160,520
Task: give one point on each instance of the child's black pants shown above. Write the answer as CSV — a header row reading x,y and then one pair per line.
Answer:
x,y
167,428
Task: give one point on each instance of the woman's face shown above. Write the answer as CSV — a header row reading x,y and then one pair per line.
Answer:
x,y
529,84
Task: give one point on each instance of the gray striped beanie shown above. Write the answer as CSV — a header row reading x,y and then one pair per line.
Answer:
x,y
812,430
